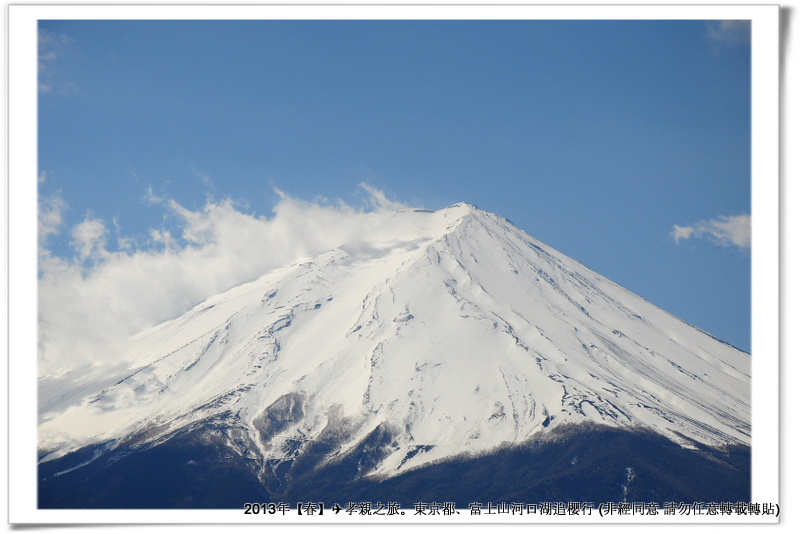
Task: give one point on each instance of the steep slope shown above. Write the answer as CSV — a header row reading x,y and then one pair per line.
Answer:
x,y
451,332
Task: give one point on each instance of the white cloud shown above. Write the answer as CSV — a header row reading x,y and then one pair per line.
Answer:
x,y
90,304
50,220
681,232
50,216
725,230
163,237
89,239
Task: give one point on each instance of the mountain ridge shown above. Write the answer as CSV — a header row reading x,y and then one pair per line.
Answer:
x,y
448,332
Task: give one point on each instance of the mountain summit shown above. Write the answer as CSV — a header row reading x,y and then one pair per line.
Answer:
x,y
447,335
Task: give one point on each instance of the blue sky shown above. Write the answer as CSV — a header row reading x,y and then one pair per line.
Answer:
x,y
623,144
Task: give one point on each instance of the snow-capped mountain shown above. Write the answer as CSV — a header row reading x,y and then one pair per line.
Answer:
x,y
450,332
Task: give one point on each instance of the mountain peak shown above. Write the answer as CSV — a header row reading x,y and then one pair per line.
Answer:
x,y
462,209
463,206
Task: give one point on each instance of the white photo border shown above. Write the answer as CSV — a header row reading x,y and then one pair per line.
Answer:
x,y
22,203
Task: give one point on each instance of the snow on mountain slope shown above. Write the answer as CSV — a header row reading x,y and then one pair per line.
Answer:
x,y
450,331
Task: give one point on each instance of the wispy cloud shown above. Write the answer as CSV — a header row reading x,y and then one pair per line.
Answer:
x,y
729,32
91,303
150,197
203,177
378,199
50,218
725,230
52,47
